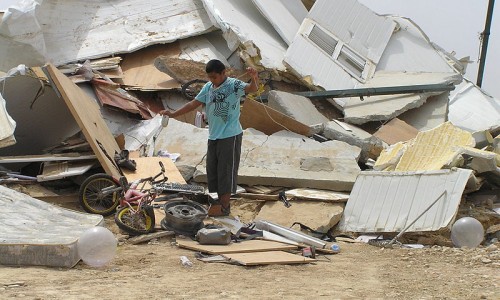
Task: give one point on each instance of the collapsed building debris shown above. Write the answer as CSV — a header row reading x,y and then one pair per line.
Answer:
x,y
375,71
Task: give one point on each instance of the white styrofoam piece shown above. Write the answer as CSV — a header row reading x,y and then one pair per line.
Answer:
x,y
38,233
389,201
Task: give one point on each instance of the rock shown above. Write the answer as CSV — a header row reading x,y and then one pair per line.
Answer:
x,y
486,261
320,216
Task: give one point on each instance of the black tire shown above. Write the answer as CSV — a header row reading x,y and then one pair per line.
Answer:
x,y
191,88
91,198
136,222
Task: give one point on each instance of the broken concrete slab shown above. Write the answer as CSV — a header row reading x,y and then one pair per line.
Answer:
x,y
391,201
268,160
31,235
396,131
246,29
381,108
298,107
319,216
68,31
370,145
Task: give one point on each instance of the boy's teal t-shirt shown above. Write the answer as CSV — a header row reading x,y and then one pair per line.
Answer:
x,y
223,107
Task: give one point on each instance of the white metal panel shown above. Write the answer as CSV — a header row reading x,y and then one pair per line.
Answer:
x,y
472,109
390,201
354,24
241,22
410,50
68,30
285,16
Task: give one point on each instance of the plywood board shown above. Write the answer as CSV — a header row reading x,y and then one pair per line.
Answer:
x,y
246,246
149,166
396,131
268,258
88,116
263,118
139,71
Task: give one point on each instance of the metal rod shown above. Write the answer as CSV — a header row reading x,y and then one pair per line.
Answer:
x,y
404,230
391,90
485,35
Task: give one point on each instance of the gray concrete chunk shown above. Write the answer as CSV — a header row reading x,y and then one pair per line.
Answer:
x,y
298,107
370,145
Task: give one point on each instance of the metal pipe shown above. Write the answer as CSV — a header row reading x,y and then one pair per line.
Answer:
x,y
485,36
289,233
361,92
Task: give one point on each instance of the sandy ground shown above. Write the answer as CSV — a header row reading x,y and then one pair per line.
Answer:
x,y
154,271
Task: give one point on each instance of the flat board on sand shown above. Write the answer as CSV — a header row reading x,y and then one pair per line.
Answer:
x,y
149,166
246,246
268,258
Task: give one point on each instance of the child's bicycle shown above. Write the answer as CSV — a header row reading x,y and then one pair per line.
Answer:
x,y
103,194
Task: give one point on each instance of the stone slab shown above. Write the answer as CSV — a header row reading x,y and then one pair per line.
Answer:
x,y
298,107
320,216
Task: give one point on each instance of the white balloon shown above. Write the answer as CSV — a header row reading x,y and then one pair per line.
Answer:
x,y
467,232
97,246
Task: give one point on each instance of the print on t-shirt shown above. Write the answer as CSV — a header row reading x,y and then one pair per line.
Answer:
x,y
218,98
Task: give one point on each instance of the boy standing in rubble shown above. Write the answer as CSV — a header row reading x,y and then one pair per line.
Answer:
x,y
221,95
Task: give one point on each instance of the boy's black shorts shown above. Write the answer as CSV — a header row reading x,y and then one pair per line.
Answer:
x,y
223,161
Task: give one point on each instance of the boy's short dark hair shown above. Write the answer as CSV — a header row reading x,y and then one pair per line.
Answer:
x,y
214,65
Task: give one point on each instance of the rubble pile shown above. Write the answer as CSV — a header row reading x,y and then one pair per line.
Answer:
x,y
415,145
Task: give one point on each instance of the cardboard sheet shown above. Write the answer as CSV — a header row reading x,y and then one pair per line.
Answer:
x,y
396,131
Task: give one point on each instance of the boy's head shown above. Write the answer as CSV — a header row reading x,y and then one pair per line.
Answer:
x,y
216,71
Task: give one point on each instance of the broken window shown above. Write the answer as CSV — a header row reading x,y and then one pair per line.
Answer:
x,y
341,53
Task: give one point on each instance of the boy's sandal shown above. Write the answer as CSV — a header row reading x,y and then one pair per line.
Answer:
x,y
226,210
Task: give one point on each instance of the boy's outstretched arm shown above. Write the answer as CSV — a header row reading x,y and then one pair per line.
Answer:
x,y
191,105
254,83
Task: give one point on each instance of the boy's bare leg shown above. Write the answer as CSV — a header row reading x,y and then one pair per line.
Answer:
x,y
217,210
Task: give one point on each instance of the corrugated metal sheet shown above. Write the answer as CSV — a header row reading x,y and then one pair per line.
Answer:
x,y
285,16
64,31
356,36
473,109
241,22
390,201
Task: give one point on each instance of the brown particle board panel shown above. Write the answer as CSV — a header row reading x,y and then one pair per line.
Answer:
x,y
268,120
88,116
246,246
396,131
268,258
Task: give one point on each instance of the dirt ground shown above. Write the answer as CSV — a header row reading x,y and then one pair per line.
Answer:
x,y
154,271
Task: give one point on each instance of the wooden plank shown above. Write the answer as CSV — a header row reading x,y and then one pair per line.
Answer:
x,y
268,258
139,71
263,118
88,116
246,246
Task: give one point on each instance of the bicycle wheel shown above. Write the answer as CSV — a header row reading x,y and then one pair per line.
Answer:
x,y
191,88
135,222
92,198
